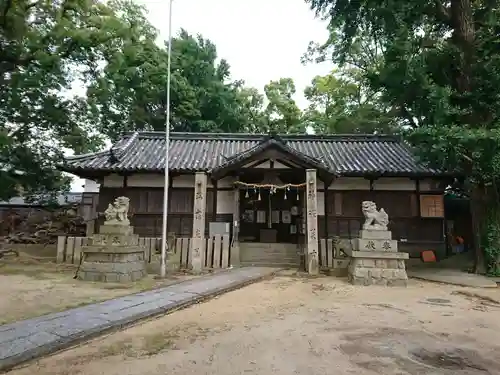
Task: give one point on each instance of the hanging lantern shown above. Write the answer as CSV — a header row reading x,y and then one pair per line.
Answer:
x,y
247,195
258,197
298,195
285,195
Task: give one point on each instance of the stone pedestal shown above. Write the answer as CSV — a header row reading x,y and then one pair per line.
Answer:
x,y
113,255
375,260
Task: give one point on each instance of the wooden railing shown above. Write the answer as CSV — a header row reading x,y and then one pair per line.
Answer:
x,y
216,252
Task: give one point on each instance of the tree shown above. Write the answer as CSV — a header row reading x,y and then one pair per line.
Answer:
x,y
251,104
44,47
107,47
339,103
131,93
441,68
282,113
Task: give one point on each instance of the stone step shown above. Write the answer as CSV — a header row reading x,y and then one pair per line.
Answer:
x,y
276,253
270,264
266,251
272,254
261,245
268,257
270,249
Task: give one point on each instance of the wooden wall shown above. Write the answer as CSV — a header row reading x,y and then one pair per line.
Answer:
x,y
339,212
343,217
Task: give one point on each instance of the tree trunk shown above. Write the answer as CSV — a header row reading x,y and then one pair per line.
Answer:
x,y
462,21
478,221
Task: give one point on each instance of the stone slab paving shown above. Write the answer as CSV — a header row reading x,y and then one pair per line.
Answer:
x,y
28,339
454,277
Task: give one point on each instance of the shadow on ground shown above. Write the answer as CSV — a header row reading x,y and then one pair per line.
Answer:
x,y
417,353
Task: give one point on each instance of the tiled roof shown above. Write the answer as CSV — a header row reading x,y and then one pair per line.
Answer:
x,y
275,143
189,152
62,200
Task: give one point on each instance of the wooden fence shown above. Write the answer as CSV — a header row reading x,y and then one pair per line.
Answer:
x,y
331,254
216,252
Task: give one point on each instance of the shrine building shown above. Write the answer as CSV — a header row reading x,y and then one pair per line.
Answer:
x,y
270,192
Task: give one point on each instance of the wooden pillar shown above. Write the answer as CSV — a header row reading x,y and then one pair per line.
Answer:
x,y
235,248
326,197
214,200
199,209
312,222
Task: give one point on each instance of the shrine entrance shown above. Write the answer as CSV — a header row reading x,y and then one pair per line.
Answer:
x,y
274,185
271,214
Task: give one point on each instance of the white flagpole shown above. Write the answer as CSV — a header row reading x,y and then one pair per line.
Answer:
x,y
167,146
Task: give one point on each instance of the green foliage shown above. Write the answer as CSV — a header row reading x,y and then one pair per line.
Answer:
x,y
491,242
131,92
346,100
438,68
110,49
41,45
340,104
282,113
435,64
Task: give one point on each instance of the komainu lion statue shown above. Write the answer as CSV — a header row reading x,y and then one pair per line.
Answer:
x,y
116,213
374,220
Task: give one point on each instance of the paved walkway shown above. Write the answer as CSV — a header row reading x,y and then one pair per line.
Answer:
x,y
32,338
450,276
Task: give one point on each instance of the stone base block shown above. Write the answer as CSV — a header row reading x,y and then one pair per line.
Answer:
x,y
116,229
111,277
341,262
372,281
337,272
112,272
114,240
114,257
361,244
389,272
370,234
113,249
383,255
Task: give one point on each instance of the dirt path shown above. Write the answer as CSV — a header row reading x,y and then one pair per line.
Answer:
x,y
290,325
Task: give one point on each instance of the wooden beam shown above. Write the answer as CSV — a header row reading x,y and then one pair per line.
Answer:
x,y
326,199
125,185
256,163
288,164
417,188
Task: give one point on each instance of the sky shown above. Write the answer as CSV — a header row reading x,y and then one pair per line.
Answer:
x,y
262,40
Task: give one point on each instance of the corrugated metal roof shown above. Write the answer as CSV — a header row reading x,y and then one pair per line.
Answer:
x,y
189,152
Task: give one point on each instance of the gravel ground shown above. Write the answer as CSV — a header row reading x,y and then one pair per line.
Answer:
x,y
293,325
